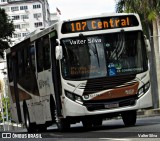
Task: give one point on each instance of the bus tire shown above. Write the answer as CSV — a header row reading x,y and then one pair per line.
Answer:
x,y
129,118
52,109
63,125
97,122
31,127
42,128
87,124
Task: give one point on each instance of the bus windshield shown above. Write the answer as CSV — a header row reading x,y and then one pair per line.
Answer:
x,y
106,55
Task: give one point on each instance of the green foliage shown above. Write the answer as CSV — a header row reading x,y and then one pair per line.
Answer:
x,y
152,15
147,9
6,108
120,6
6,30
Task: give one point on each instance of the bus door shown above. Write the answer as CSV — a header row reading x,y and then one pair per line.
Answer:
x,y
55,74
15,89
43,74
43,65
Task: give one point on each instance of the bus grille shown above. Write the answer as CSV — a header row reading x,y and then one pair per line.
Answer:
x,y
100,84
100,105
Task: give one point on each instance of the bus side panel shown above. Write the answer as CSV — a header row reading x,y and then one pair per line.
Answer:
x,y
146,100
44,81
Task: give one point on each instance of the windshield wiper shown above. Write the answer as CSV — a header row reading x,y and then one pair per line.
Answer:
x,y
86,43
120,44
94,49
97,54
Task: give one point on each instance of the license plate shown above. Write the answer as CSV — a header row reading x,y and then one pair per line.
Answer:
x,y
111,105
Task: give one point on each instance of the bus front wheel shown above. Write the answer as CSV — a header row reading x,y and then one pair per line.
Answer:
x,y
63,124
87,124
129,118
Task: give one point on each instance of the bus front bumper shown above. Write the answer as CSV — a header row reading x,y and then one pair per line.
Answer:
x,y
73,109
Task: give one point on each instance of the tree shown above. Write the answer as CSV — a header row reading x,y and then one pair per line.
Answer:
x,y
6,109
148,11
6,31
5,113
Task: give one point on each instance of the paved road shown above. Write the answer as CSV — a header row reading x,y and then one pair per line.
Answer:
x,y
146,129
112,129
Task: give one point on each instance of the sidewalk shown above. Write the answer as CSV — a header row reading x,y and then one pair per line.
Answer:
x,y
148,113
7,126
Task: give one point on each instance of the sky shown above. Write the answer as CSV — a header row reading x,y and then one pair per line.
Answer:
x,y
79,8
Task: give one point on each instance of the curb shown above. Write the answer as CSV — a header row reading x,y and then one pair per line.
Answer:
x,y
10,127
148,113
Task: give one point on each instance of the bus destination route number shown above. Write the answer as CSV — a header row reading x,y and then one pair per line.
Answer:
x,y
99,24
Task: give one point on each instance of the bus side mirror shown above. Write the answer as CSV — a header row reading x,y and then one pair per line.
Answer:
x,y
148,46
59,53
147,43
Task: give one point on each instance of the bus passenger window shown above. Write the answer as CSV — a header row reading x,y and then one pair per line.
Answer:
x,y
16,65
20,64
10,69
46,47
26,60
32,57
39,55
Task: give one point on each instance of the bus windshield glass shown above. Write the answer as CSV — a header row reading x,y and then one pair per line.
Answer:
x,y
106,55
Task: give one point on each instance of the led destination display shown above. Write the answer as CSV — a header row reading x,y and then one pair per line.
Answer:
x,y
99,24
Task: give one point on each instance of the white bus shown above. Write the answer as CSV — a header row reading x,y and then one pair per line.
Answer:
x,y
81,70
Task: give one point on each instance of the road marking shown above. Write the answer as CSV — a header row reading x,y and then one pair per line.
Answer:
x,y
113,139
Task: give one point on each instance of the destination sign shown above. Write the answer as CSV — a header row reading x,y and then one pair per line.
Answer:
x,y
102,23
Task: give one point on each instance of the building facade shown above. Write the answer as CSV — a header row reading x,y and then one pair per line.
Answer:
x,y
27,16
54,17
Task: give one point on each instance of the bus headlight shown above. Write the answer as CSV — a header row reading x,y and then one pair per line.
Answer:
x,y
143,89
140,92
74,97
146,86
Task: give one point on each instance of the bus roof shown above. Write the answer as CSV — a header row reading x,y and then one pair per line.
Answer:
x,y
39,33
100,15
